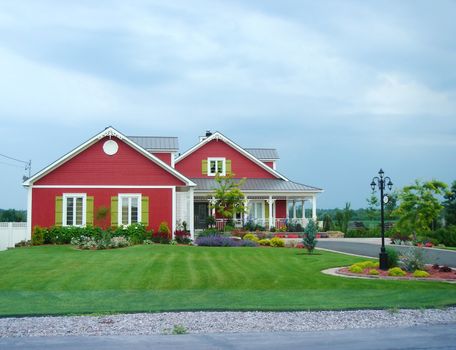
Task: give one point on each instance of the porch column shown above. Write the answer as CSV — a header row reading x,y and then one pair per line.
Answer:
x,y
303,209
191,213
246,207
212,201
314,208
270,202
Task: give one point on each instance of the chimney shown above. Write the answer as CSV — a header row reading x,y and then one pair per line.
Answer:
x,y
208,133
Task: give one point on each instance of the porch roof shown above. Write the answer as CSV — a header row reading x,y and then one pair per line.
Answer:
x,y
273,185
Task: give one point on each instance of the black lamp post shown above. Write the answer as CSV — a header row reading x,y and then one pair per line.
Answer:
x,y
380,182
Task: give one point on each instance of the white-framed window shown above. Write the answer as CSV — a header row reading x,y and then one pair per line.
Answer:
x,y
295,209
216,166
74,209
256,210
129,208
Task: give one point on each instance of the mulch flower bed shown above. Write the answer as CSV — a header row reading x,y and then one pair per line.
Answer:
x,y
436,273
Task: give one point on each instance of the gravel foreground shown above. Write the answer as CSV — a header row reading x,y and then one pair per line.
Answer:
x,y
220,322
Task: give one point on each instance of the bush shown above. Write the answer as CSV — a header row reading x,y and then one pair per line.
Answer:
x,y
355,269
136,233
309,240
250,237
38,235
412,259
182,237
445,269
396,271
368,264
373,272
222,241
393,257
420,273
446,236
277,242
265,242
163,235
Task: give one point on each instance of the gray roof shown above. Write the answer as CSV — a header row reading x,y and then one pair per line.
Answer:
x,y
257,185
156,142
263,153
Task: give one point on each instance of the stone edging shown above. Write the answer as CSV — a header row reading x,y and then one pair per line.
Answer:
x,y
335,272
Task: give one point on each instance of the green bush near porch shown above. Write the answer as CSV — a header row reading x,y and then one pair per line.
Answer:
x,y
150,278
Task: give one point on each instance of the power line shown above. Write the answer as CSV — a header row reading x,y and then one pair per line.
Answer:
x,y
13,165
17,160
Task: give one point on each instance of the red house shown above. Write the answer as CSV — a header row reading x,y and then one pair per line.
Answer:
x,y
113,180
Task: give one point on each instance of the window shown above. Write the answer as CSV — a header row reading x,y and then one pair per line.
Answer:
x,y
216,166
129,209
256,210
74,209
295,209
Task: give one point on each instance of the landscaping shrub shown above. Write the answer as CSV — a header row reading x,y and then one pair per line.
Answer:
x,y
38,235
265,242
223,241
396,271
163,235
182,237
245,243
251,237
393,257
309,240
373,272
446,236
277,242
355,268
368,264
420,273
412,259
445,269
136,233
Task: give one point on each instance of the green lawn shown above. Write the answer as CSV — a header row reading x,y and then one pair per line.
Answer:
x,y
63,280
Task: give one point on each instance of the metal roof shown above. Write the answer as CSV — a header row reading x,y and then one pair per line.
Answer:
x,y
263,153
156,142
258,185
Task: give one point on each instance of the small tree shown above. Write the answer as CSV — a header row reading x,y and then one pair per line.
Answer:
x,y
450,205
419,206
229,199
327,223
310,233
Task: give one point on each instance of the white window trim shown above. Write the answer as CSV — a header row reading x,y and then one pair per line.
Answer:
x,y
119,207
215,159
64,208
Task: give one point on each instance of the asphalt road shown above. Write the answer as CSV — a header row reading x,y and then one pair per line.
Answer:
x,y
423,337
432,256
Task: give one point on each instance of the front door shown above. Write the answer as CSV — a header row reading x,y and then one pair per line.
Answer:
x,y
201,214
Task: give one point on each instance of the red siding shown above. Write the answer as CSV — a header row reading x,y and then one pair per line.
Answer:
x,y
269,164
241,166
166,157
93,167
281,209
43,204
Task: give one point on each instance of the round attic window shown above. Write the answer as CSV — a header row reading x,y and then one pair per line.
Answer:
x,y
110,147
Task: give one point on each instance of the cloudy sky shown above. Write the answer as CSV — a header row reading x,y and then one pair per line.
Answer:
x,y
340,88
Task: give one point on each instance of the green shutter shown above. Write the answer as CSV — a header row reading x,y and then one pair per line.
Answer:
x,y
145,210
58,210
204,166
228,167
89,211
266,210
114,210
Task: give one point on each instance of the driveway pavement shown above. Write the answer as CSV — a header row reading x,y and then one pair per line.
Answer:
x,y
371,247
423,337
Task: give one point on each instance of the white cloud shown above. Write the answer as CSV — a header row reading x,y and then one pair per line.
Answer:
x,y
395,95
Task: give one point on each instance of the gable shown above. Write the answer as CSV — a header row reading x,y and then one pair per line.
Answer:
x,y
92,166
241,165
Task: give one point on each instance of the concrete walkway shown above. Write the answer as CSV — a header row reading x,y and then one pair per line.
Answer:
x,y
371,247
422,337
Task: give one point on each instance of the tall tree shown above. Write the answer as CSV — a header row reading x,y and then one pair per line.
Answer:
x,y
450,205
372,206
347,215
229,199
419,206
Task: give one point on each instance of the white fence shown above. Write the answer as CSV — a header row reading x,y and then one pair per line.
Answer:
x,y
12,233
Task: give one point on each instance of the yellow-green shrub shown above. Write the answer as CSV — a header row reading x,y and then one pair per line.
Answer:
x,y
355,268
420,273
368,264
265,242
277,242
373,272
251,237
396,271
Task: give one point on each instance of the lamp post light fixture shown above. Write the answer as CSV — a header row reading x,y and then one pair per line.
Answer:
x,y
380,181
